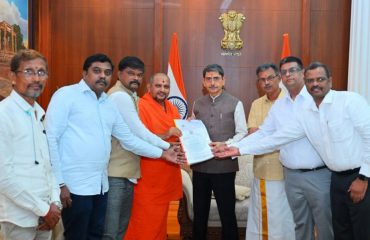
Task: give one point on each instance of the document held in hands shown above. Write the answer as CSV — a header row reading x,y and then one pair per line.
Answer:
x,y
195,140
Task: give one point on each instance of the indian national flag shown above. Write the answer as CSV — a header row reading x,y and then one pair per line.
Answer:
x,y
177,94
285,52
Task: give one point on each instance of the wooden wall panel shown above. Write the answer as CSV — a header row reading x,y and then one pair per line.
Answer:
x,y
200,32
329,33
81,28
70,30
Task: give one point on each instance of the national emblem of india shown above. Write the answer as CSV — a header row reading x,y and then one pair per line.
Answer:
x,y
232,23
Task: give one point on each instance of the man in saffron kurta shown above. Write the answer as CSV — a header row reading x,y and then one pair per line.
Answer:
x,y
161,180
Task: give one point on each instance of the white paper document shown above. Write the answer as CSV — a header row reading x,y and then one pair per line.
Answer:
x,y
195,140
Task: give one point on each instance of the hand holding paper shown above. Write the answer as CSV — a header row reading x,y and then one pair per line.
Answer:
x,y
195,140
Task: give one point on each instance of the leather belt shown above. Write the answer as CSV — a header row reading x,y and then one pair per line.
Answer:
x,y
312,169
348,172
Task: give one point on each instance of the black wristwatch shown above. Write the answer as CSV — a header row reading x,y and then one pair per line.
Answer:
x,y
362,177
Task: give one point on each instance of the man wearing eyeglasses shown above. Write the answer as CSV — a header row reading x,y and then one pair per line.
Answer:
x,y
80,121
124,166
275,219
29,194
307,180
223,115
310,203
338,126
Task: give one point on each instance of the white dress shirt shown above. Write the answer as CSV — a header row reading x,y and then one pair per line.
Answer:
x,y
240,122
339,130
27,185
127,109
79,127
299,154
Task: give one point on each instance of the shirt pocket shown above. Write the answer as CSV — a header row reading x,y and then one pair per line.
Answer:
x,y
340,130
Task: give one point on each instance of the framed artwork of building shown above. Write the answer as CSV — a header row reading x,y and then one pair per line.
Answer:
x,y
14,35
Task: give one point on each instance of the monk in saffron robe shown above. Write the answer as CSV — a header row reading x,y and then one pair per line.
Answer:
x,y
160,180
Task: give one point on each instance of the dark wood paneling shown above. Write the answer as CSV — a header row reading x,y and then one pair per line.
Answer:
x,y
158,36
42,41
305,31
70,30
81,28
200,32
329,36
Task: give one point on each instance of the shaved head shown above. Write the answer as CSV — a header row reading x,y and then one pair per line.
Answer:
x,y
159,87
159,75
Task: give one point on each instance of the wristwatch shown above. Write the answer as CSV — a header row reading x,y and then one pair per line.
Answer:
x,y
58,204
362,177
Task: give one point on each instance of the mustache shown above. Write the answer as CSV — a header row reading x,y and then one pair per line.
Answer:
x,y
315,87
35,84
102,80
135,81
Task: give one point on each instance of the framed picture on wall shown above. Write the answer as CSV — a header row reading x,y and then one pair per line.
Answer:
x,y
14,35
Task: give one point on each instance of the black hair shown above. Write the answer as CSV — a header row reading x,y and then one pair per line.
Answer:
x,y
213,68
265,66
98,57
25,55
131,62
291,59
316,64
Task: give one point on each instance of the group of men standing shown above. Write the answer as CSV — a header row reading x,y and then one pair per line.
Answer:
x,y
326,177
61,171
61,165
90,141
295,182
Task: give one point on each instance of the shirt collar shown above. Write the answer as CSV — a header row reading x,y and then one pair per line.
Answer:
x,y
25,106
83,87
215,97
303,94
131,93
281,94
328,99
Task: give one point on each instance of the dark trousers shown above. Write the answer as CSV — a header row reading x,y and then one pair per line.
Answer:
x,y
350,221
85,219
223,186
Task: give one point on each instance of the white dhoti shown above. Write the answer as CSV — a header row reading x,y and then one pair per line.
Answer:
x,y
269,214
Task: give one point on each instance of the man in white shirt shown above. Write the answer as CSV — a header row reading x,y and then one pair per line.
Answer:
x,y
80,121
124,166
29,194
307,179
338,126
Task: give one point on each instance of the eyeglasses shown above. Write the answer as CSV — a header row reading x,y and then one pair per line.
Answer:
x,y
268,79
291,70
107,72
28,73
318,80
